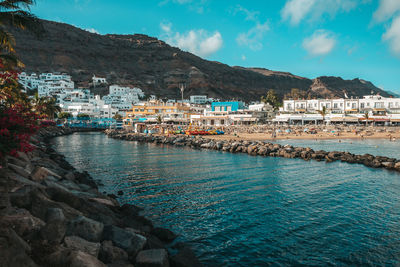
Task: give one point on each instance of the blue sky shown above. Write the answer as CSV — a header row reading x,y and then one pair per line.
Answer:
x,y
311,38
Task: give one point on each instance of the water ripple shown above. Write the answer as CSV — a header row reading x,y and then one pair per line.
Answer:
x,y
239,210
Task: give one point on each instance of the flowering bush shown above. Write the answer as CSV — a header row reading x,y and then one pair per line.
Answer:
x,y
17,120
17,125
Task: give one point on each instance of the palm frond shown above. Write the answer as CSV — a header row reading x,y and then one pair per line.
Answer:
x,y
23,20
16,4
7,40
11,61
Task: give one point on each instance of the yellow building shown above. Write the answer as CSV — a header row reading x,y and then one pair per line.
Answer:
x,y
153,111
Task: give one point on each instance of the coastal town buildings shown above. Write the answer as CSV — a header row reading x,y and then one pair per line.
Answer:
x,y
374,108
98,80
46,84
122,98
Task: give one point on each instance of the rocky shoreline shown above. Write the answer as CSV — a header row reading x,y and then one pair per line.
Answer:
x,y
53,215
259,148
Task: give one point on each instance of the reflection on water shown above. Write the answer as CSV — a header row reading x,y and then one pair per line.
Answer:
x,y
236,209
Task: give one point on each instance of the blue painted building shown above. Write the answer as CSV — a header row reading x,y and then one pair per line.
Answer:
x,y
227,106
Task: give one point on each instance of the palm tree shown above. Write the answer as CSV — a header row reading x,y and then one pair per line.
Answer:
x,y
15,14
366,116
51,107
323,113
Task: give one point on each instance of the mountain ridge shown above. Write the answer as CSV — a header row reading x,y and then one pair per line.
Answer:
x,y
158,68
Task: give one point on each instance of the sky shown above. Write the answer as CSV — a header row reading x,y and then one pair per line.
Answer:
x,y
310,38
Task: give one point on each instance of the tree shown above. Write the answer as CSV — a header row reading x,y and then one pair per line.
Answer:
x,y
272,99
366,116
83,115
15,14
323,113
159,119
64,115
117,117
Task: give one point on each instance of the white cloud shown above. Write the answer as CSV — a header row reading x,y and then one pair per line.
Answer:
x,y
253,37
166,27
199,42
92,30
320,43
392,35
297,10
250,15
244,57
386,9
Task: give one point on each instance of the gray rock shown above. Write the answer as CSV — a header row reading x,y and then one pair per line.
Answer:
x,y
19,170
22,222
55,228
152,258
14,250
77,243
109,253
71,258
185,258
86,228
163,234
127,240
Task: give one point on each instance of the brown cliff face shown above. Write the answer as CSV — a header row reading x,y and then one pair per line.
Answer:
x,y
157,68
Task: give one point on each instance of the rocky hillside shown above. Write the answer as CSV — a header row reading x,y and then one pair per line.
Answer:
x,y
157,68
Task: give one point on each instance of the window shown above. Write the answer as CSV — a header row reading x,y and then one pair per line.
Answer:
x,y
353,105
379,105
362,105
222,122
348,104
335,105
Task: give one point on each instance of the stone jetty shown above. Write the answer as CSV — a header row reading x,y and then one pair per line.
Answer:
x,y
53,215
259,148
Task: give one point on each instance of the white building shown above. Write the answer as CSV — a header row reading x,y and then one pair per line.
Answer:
x,y
122,98
98,80
370,103
198,99
47,84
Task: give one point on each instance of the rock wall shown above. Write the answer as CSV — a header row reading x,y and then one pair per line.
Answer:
x,y
53,215
263,149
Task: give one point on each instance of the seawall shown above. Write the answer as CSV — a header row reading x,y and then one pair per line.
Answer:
x,y
259,148
53,215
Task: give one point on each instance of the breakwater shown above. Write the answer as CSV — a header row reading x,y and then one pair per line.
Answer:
x,y
259,148
53,215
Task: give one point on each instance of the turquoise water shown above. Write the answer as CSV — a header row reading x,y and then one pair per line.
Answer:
x,y
371,146
240,210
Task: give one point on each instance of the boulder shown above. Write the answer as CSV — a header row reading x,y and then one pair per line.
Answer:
x,y
163,234
86,228
77,243
109,253
55,228
125,239
41,173
72,258
152,258
19,170
22,222
14,250
185,258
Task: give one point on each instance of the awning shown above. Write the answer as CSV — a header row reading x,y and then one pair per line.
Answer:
x,y
381,120
395,120
337,119
350,119
379,109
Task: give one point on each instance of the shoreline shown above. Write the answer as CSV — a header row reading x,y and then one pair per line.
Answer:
x,y
260,148
54,215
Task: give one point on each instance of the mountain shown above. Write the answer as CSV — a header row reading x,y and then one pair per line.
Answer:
x,y
157,68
